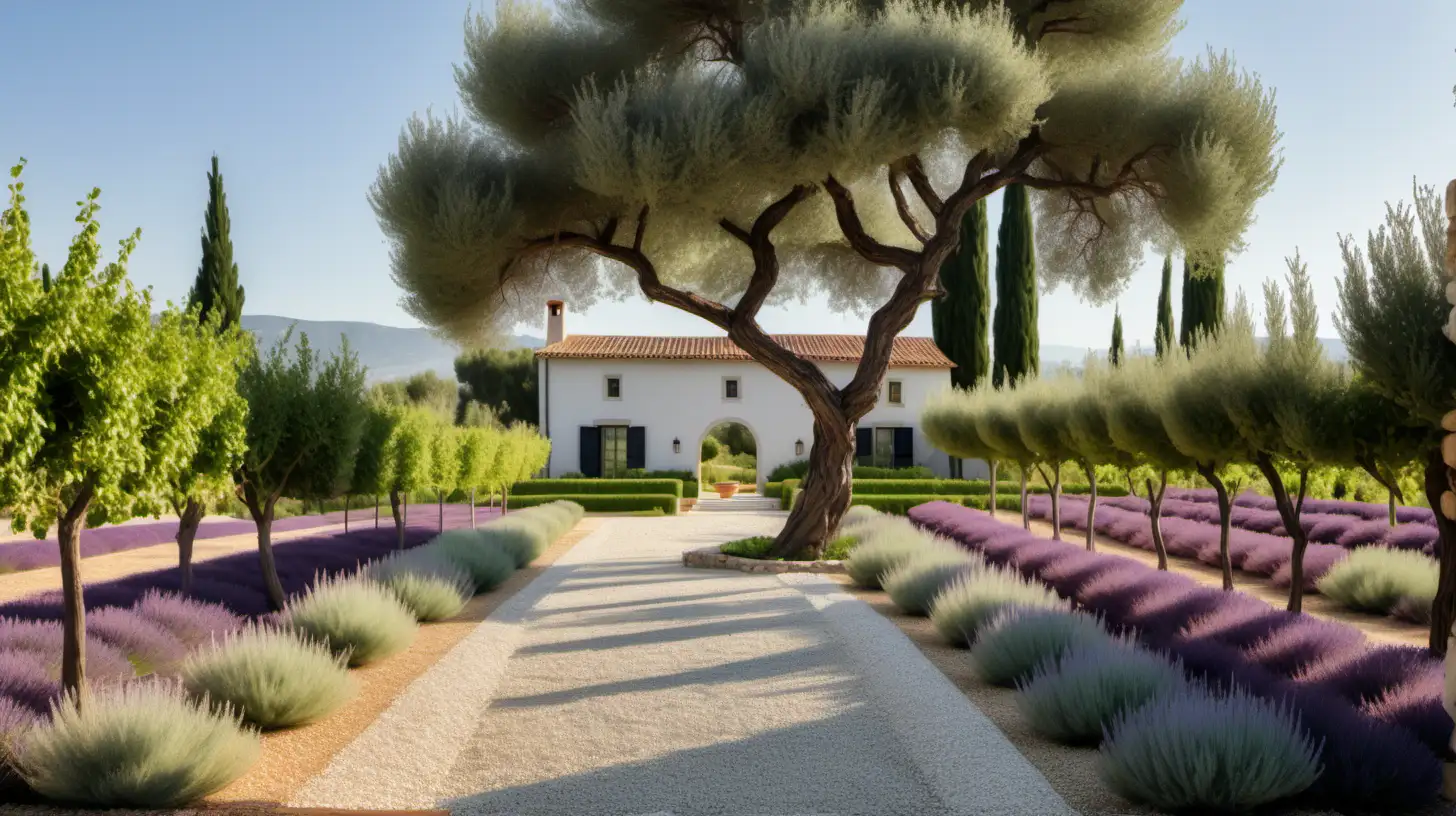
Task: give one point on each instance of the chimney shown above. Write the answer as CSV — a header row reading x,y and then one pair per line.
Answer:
x,y
555,321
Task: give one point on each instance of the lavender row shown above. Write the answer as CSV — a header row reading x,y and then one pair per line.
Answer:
x,y
1376,710
32,554
1345,531
1369,511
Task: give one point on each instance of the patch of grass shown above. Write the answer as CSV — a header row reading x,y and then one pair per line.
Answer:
x,y
758,547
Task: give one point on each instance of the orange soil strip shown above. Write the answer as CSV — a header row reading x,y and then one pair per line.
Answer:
x,y
17,585
291,758
1378,628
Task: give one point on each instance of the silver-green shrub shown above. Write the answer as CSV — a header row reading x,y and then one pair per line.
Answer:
x,y
914,582
573,510
1375,579
435,586
355,617
15,719
272,677
1071,698
145,744
1018,640
880,549
1192,750
856,518
524,537
971,601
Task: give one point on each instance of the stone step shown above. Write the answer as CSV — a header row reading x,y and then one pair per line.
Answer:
x,y
742,504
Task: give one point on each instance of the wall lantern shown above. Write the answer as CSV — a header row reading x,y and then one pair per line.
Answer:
x,y
798,447
676,445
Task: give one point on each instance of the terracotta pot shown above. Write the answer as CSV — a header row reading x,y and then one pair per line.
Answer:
x,y
726,489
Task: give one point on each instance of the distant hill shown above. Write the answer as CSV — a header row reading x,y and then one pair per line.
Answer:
x,y
388,352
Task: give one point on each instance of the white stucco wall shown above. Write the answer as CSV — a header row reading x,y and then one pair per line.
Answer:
x,y
683,399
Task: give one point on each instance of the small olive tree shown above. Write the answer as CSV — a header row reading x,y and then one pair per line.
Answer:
x,y
949,422
995,417
1088,434
1041,418
304,423
717,156
408,469
477,457
444,464
373,463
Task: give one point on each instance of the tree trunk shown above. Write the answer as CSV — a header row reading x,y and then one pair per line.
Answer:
x,y
1224,511
826,491
472,508
441,496
1289,514
376,511
1025,516
991,505
191,517
1155,518
346,512
505,499
1054,489
1091,506
73,616
1443,609
1390,499
261,509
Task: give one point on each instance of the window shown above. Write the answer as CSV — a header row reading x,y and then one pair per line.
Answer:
x,y
885,447
895,393
730,388
614,451
614,387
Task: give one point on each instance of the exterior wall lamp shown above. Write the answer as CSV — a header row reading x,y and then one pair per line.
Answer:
x,y
798,447
676,445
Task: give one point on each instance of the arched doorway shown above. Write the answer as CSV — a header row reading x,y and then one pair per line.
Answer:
x,y
728,452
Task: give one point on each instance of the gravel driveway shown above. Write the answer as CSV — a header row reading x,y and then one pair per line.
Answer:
x,y
622,683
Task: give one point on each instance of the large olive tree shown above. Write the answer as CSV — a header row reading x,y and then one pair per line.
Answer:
x,y
716,154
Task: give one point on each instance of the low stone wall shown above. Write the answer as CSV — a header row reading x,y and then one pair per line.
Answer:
x,y
713,558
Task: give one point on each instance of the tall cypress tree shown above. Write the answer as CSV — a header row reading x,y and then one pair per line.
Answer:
x,y
1014,334
961,318
45,277
216,286
1202,302
1163,336
1116,352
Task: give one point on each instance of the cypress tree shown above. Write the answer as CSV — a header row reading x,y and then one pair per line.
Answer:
x,y
1017,346
45,277
959,320
1202,302
216,287
1163,337
1116,352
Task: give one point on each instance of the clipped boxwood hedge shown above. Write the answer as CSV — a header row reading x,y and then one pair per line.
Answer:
x,y
773,490
687,477
923,487
604,503
565,488
899,505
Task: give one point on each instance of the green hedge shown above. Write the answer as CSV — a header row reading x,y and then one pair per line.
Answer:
x,y
788,491
1109,491
603,503
773,490
797,468
687,477
615,487
899,505
923,487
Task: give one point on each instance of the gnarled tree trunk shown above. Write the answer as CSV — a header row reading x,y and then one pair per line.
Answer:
x,y
1289,512
1025,513
1091,472
1443,608
1155,517
73,610
991,503
396,507
1210,474
189,520
261,508
814,519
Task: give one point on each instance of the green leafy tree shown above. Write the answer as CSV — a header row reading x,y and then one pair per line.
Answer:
x,y
45,277
102,408
1203,306
502,379
444,464
710,449
1042,418
1163,335
1116,351
727,155
216,289
949,422
736,437
996,424
372,465
408,469
304,423
477,456
960,319
426,390
1392,310
1017,342
1087,434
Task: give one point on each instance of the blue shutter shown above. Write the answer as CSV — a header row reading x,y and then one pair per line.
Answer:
x,y
904,447
636,447
864,442
591,451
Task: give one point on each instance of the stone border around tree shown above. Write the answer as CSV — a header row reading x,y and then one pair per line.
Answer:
x,y
714,558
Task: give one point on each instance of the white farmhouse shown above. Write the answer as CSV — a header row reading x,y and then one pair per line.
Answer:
x,y
610,404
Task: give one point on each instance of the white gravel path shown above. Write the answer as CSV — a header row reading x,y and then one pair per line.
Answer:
x,y
621,684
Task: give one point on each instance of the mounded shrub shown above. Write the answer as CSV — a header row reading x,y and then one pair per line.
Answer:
x,y
355,617
151,647
140,745
15,718
914,582
1375,579
1071,698
272,677
554,517
1018,640
573,510
486,562
431,584
524,539
881,548
972,600
1191,750
195,622
856,516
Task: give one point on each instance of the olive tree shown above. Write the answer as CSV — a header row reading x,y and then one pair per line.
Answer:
x,y
997,426
305,417
1088,435
1041,419
477,457
1134,405
1392,310
719,156
444,464
949,422
373,462
102,407
409,450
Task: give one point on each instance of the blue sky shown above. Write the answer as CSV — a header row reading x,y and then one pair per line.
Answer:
x,y
304,101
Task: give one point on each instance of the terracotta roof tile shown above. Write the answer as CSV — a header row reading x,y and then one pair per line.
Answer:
x,y
908,352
